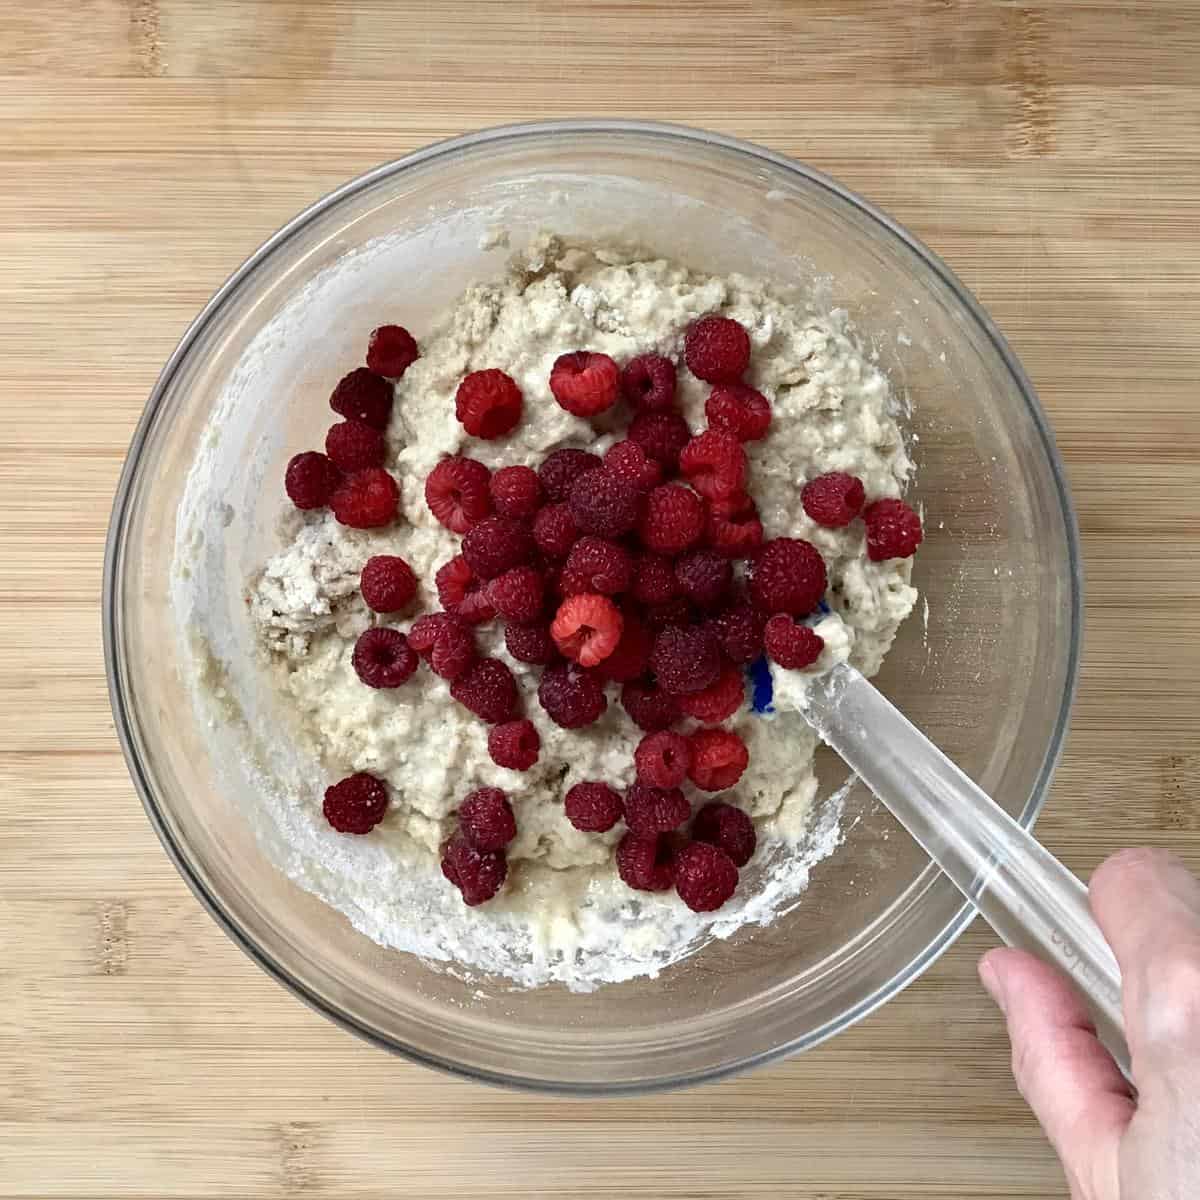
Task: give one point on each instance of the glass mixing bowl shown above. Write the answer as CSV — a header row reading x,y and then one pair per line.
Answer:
x,y
986,665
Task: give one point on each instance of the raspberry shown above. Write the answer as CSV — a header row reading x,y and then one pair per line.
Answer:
x,y
705,876
788,576
627,462
366,499
728,828
391,350
310,479
648,382
355,445
791,645
363,396
572,698
632,655
649,707
387,583
593,807
496,545
487,689
382,658
654,579
718,701
585,383
677,611
515,744
444,642
673,519
833,500
662,759
645,863
530,643
714,463
477,875
716,349
488,403
740,632
733,526
587,628
457,493
562,468
517,594
597,565
462,594
661,435
603,504
516,491
718,760
485,817
740,410
704,577
893,530
554,530
356,804
685,659
651,810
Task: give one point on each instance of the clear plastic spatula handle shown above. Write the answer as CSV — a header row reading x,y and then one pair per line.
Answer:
x,y
1028,897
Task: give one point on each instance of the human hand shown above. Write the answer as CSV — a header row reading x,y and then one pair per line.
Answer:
x,y
1115,1144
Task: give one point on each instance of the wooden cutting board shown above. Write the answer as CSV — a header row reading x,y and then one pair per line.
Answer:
x,y
1049,151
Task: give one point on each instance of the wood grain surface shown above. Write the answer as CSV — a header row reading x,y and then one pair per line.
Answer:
x,y
1049,151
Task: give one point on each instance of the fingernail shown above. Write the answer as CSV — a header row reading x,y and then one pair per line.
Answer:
x,y
990,979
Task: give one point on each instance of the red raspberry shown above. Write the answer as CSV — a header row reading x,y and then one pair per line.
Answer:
x,y
366,499
740,632
733,526
516,491
497,544
382,658
654,579
788,576
356,804
597,565
562,468
716,349
645,863
893,530
833,500
705,876
487,689
718,701
530,643
391,350
517,594
603,504
704,577
488,403
648,382
593,807
632,655
651,810
714,463
485,817
477,875
661,435
444,642
740,410
628,462
718,760
673,519
554,530
685,659
677,611
515,744
355,445
363,396
587,628
462,594
457,493
791,645
649,707
728,828
585,383
662,759
387,583
572,698
310,479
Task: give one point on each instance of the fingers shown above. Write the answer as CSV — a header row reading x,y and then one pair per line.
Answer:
x,y
1062,1070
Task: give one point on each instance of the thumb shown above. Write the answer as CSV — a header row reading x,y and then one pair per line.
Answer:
x,y
1062,1070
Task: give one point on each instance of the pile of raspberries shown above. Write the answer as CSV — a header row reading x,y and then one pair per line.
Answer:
x,y
606,571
